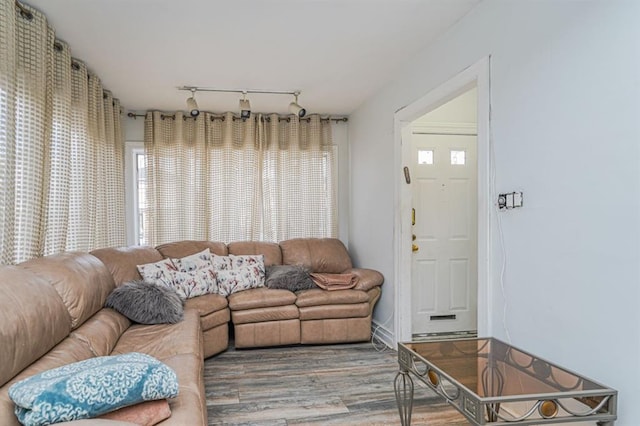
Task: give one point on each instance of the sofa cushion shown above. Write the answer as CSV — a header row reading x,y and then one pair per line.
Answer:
x,y
101,332
122,261
33,319
277,313
92,387
271,251
327,255
207,304
215,319
146,413
186,248
260,298
146,303
317,297
81,280
163,340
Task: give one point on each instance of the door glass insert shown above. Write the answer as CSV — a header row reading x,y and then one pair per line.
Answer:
x,y
425,156
457,158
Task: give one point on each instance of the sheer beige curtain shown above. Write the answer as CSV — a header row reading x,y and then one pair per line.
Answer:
x,y
224,179
61,146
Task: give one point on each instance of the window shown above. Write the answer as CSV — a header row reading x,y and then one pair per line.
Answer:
x,y
136,185
457,158
141,203
425,156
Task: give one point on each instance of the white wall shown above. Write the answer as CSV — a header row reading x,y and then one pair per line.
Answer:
x,y
134,132
565,83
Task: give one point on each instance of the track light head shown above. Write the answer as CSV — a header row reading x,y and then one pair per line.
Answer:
x,y
245,107
295,108
192,105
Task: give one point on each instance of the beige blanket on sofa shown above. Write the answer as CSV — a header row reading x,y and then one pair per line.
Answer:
x,y
334,281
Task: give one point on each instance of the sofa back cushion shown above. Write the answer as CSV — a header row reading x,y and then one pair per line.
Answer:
x,y
81,280
33,319
122,261
271,251
101,332
187,248
326,255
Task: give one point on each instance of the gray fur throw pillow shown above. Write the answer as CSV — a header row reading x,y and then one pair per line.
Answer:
x,y
146,303
289,277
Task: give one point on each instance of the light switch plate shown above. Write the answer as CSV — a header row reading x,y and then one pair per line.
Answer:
x,y
510,200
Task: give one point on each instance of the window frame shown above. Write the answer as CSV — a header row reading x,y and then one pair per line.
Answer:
x,y
132,202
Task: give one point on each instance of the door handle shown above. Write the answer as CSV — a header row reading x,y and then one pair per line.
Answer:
x,y
414,248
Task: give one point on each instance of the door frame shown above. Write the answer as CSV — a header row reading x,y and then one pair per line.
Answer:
x,y
477,75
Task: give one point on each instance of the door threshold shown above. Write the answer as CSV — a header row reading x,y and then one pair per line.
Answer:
x,y
465,334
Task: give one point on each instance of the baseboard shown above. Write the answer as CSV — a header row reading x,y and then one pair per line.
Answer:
x,y
382,334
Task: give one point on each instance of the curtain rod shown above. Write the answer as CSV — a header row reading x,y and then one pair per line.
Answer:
x,y
222,117
244,91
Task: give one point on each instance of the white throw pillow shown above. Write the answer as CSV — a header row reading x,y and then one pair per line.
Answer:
x,y
235,280
195,275
238,273
194,283
158,272
194,262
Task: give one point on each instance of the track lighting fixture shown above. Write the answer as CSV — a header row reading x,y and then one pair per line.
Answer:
x,y
192,105
245,106
295,108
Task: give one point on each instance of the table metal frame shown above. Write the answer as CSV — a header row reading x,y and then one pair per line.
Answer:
x,y
600,404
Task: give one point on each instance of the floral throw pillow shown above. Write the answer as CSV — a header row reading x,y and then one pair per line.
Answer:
x,y
194,283
221,263
194,262
235,280
237,273
158,272
194,275
256,261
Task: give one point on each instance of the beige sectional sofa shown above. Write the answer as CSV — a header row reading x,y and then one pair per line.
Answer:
x,y
52,313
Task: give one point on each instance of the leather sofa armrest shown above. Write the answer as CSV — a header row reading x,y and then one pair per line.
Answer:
x,y
367,278
96,422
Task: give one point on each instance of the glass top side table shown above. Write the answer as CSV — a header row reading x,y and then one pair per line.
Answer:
x,y
493,383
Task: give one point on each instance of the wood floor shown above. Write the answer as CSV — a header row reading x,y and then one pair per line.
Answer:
x,y
348,384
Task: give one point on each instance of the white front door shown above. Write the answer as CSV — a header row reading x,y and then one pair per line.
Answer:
x,y
444,267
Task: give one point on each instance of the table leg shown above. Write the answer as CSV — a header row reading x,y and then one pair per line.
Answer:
x,y
605,423
403,387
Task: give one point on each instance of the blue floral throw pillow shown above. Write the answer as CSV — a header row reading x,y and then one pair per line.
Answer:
x,y
91,388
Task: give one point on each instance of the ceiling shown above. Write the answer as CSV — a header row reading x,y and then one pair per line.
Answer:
x,y
336,52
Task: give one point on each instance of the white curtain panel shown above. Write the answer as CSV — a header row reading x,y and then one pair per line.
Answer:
x,y
61,145
222,178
